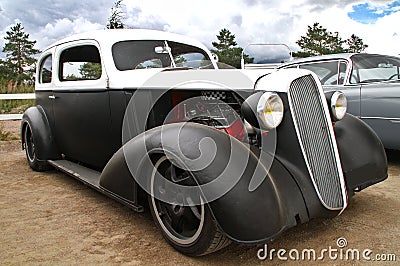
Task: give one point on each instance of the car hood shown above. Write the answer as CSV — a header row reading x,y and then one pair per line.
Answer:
x,y
209,79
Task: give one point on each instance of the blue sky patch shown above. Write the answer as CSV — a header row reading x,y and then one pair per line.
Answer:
x,y
368,13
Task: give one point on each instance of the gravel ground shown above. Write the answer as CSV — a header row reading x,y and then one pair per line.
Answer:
x,y
50,218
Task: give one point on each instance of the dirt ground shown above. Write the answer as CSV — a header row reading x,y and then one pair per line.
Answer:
x,y
50,218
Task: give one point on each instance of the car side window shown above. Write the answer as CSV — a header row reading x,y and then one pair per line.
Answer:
x,y
374,68
80,63
327,72
45,71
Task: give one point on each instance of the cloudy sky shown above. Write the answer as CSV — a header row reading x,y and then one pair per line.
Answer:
x,y
252,21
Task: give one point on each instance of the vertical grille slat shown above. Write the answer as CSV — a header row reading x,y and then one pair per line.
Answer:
x,y
311,122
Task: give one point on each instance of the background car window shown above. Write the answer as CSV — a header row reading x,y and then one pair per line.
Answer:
x,y
46,70
375,68
268,53
327,72
80,63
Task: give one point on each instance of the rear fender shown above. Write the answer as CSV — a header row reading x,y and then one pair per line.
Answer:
x,y
45,146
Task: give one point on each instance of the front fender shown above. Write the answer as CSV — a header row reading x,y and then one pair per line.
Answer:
x,y
362,154
244,215
45,146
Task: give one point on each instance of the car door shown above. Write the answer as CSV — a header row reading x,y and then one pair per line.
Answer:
x,y
81,104
380,108
44,84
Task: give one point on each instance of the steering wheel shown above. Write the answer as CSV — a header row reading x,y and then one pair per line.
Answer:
x,y
395,75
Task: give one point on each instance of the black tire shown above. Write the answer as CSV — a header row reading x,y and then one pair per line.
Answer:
x,y
30,151
196,233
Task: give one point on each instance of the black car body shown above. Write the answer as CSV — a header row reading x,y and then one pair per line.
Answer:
x,y
221,155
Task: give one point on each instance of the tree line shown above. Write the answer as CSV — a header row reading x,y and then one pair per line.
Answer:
x,y
19,65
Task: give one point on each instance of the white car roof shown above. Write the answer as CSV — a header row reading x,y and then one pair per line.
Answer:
x,y
108,37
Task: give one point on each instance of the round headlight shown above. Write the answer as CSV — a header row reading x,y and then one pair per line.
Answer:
x,y
270,110
338,105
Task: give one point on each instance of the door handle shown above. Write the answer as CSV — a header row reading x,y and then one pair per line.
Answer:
x,y
52,97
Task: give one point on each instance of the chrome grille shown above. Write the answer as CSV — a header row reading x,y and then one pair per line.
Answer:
x,y
317,142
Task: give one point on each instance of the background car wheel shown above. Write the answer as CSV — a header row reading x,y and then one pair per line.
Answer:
x,y
30,151
191,230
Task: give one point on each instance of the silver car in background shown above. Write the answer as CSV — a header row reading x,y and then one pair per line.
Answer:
x,y
371,83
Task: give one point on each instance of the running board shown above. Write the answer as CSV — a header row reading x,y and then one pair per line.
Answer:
x,y
90,178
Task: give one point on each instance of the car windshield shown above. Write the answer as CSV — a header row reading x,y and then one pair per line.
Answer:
x,y
268,53
374,68
145,54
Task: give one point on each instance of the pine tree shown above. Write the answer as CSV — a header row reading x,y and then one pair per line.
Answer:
x,y
226,40
90,70
355,44
4,71
335,44
320,41
115,21
227,51
19,53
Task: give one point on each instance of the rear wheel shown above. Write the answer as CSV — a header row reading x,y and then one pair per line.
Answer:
x,y
191,230
30,151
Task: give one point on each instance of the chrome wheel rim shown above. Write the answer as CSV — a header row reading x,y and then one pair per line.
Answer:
x,y
29,144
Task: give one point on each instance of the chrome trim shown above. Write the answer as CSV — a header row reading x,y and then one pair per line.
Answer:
x,y
382,118
249,128
333,144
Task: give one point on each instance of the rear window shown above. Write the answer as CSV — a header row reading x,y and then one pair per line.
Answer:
x,y
46,71
80,63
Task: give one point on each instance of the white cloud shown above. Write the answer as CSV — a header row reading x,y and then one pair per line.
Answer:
x,y
63,28
384,37
274,21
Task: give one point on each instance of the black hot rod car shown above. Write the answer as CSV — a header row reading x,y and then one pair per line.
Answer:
x,y
146,117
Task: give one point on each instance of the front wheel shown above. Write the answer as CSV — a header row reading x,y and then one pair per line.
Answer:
x,y
30,151
191,230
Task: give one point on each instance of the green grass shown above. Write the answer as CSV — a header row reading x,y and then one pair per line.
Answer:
x,y
4,135
15,106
